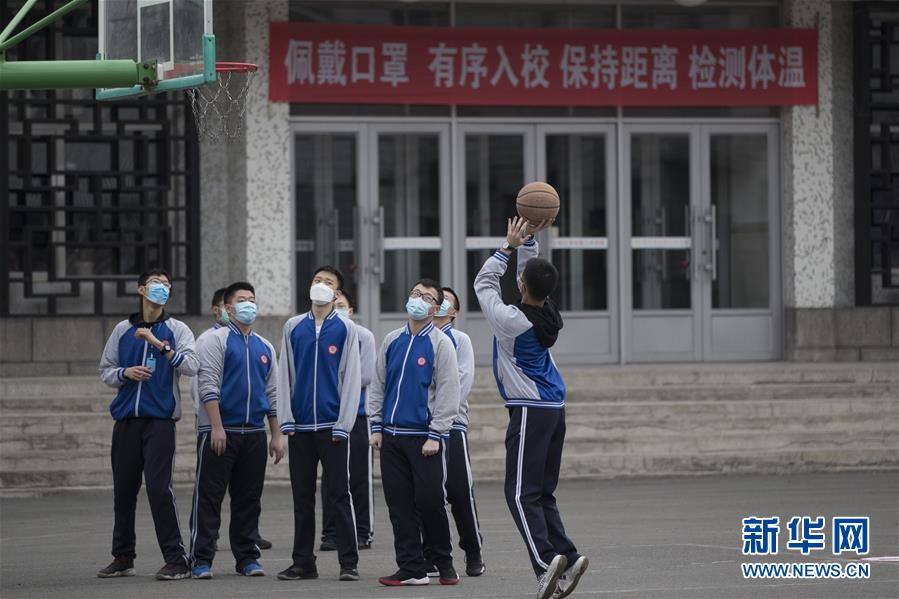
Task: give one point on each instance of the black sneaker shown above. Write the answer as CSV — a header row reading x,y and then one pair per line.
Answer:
x,y
120,566
432,570
263,544
403,578
173,572
363,544
448,575
298,573
474,565
349,574
328,545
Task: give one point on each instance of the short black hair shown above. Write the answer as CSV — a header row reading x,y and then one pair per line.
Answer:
x,y
219,296
233,288
334,271
349,298
456,303
156,271
540,277
433,285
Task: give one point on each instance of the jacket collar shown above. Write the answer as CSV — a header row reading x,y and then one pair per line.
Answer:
x,y
422,333
137,319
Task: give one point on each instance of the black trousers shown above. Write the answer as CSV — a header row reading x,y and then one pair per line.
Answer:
x,y
240,471
534,442
460,493
306,451
360,487
415,485
145,447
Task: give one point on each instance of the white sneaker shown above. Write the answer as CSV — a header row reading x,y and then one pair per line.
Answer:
x,y
569,579
547,584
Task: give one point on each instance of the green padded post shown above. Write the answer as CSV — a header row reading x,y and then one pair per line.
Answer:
x,y
58,74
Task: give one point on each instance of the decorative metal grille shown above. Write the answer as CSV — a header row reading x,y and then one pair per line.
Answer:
x,y
93,193
876,152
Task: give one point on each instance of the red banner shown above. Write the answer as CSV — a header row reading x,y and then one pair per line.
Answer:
x,y
367,64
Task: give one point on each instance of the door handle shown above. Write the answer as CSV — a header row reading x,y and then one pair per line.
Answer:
x,y
378,221
711,218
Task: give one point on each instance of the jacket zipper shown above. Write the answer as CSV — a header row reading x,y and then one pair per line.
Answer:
x,y
315,381
247,346
399,385
139,383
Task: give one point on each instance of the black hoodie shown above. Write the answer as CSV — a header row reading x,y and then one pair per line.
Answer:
x,y
546,320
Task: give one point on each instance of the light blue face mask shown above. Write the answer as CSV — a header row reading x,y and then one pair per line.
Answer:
x,y
157,293
245,312
444,309
345,312
225,318
417,308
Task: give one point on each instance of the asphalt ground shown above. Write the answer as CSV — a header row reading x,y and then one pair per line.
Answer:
x,y
661,537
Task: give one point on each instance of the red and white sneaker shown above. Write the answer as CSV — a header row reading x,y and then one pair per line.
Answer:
x,y
404,578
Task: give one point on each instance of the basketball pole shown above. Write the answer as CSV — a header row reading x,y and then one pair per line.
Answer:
x,y
60,74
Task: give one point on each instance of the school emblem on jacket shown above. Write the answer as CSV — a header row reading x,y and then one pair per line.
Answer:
x,y
263,358
332,349
422,361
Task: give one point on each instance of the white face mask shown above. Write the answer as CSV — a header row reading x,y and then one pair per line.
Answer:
x,y
345,312
321,294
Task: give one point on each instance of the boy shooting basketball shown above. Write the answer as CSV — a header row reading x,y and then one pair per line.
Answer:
x,y
534,392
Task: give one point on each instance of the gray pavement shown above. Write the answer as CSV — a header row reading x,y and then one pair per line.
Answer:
x,y
663,537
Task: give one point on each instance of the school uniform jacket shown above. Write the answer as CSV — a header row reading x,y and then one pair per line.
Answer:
x,y
465,357
160,395
240,372
416,386
524,369
367,352
320,375
195,380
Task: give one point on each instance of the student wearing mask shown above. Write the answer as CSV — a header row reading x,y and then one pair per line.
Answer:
x,y
459,482
143,360
320,383
238,390
412,403
220,319
534,392
361,487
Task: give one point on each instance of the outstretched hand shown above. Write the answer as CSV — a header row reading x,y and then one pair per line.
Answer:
x,y
519,230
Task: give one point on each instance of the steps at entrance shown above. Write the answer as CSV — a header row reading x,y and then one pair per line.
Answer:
x,y
621,421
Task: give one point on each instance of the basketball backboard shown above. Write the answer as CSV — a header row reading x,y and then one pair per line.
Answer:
x,y
177,34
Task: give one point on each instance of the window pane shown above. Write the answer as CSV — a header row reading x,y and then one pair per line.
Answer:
x,y
661,279
494,172
660,185
739,192
582,279
409,184
576,167
401,269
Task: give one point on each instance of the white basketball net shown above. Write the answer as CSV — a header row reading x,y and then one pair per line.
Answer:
x,y
219,108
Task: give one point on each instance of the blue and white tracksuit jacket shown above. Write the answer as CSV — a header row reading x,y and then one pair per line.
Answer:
x,y
367,350
160,396
240,372
465,357
524,369
195,380
416,387
319,375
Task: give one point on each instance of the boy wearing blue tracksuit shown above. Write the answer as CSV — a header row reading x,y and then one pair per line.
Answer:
x,y
459,482
534,392
143,360
412,403
238,390
320,383
361,487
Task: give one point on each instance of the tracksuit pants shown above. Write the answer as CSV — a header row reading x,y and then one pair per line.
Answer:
x,y
534,442
360,487
306,450
460,492
415,484
240,471
145,447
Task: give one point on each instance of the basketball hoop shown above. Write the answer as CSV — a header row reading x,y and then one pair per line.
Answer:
x,y
219,109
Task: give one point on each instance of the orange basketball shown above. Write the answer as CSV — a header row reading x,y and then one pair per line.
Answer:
x,y
537,201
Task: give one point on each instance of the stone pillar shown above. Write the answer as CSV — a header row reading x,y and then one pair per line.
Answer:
x,y
269,226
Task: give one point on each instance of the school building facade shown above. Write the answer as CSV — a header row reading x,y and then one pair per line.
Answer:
x,y
725,196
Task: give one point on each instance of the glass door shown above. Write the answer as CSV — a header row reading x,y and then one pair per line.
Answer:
x,y
578,161
659,286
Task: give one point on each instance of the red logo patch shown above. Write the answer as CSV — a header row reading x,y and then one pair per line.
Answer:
x,y
264,359
332,349
422,361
